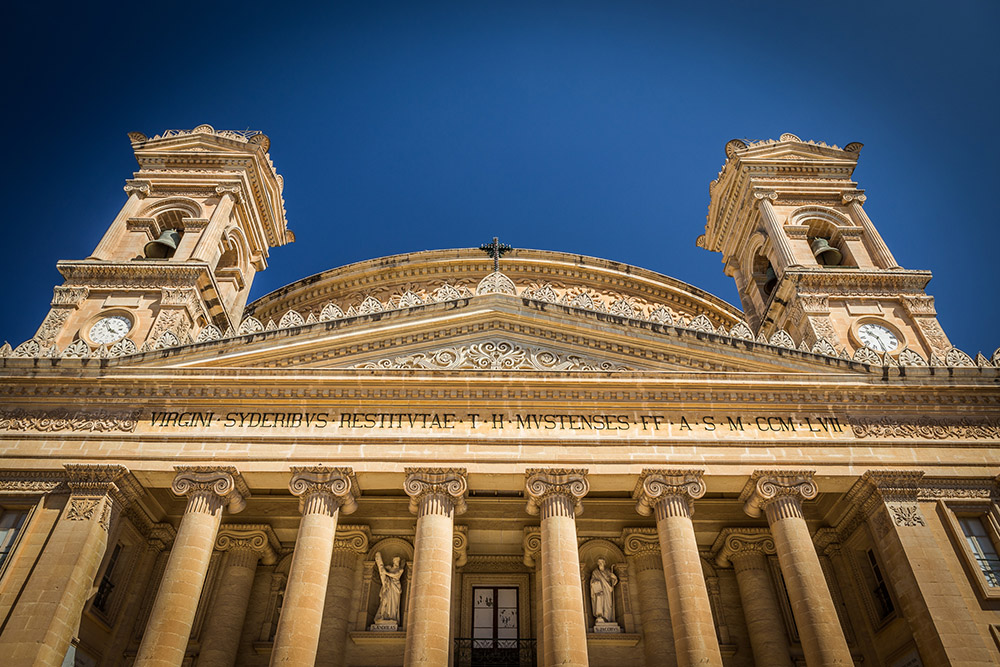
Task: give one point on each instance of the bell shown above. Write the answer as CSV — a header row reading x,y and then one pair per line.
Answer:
x,y
825,253
770,280
164,246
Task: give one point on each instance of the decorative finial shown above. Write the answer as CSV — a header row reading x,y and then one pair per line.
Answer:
x,y
496,250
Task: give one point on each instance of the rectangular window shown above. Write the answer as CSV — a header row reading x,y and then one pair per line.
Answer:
x,y
982,547
11,523
880,592
494,618
107,582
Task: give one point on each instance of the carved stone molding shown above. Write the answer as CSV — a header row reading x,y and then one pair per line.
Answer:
x,y
542,484
933,428
767,486
444,486
69,296
933,488
95,421
211,485
495,354
496,283
655,486
897,491
334,488
30,481
532,545
258,538
735,543
494,563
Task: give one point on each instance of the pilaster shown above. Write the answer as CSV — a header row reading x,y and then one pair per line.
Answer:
x,y
642,550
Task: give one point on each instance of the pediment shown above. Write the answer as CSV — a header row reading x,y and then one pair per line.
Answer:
x,y
499,332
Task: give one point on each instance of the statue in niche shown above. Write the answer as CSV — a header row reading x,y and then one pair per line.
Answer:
x,y
387,616
602,597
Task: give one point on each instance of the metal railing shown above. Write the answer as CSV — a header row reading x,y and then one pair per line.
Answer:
x,y
495,652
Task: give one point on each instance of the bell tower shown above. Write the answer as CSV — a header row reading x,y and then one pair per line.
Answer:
x,y
792,229
202,213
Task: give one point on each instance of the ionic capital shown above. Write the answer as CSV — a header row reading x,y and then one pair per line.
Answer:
x,y
460,545
139,188
545,484
216,485
256,538
326,490
641,541
762,194
532,545
233,189
352,538
734,544
767,486
436,490
857,196
656,486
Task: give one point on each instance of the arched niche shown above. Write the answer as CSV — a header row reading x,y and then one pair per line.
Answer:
x,y
389,547
591,552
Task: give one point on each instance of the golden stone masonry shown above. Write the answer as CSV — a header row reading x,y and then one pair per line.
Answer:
x,y
512,457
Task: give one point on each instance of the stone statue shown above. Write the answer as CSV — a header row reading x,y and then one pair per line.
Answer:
x,y
602,593
388,608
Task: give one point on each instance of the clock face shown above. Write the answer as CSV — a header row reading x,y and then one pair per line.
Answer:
x,y
109,329
877,337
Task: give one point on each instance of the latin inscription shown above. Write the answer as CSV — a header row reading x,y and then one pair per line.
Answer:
x,y
504,422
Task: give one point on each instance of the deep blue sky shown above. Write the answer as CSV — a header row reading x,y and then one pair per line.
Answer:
x,y
592,128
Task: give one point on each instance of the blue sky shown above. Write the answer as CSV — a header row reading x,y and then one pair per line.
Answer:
x,y
586,127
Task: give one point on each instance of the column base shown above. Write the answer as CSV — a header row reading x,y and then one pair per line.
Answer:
x,y
602,627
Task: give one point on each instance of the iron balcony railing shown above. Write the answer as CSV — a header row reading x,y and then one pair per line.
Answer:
x,y
495,652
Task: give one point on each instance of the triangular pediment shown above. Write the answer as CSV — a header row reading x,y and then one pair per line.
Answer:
x,y
498,333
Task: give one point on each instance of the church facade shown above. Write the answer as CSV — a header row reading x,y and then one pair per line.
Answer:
x,y
495,456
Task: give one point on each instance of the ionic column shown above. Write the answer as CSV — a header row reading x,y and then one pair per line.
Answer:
x,y
642,549
532,545
929,597
47,614
555,495
779,495
746,549
436,496
323,493
782,248
350,544
876,244
209,490
229,194
245,546
671,495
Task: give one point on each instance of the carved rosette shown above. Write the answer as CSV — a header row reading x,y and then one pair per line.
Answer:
x,y
532,545
209,488
249,542
737,545
556,491
436,490
778,492
668,492
324,490
642,546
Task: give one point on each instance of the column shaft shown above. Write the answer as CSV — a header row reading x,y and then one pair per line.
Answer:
x,y
224,625
337,612
815,615
297,638
657,635
880,252
768,637
562,594
166,638
429,622
690,609
207,245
